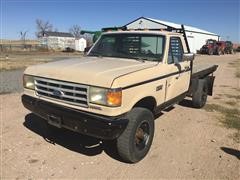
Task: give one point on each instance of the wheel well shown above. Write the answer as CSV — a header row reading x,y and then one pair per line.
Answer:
x,y
147,102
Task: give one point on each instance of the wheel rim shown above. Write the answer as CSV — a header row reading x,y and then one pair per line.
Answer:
x,y
142,135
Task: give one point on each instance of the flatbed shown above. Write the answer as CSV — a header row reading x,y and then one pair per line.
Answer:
x,y
201,71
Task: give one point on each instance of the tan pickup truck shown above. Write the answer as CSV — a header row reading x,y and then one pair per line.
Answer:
x,y
116,91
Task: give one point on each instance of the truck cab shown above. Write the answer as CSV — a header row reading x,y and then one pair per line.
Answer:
x,y
115,92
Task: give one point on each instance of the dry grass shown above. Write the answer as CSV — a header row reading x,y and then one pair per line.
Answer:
x,y
236,89
236,64
231,103
237,74
230,116
4,92
237,97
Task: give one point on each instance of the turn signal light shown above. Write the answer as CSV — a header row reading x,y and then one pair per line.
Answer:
x,y
114,98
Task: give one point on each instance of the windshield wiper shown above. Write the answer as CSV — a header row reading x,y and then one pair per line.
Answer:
x,y
140,59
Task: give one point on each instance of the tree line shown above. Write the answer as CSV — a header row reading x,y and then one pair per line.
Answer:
x,y
45,26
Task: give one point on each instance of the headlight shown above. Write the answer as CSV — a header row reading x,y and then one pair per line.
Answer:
x,y
28,82
107,97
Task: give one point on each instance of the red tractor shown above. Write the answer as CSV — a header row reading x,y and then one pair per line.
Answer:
x,y
221,47
213,47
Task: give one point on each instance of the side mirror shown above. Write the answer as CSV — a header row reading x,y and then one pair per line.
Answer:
x,y
188,57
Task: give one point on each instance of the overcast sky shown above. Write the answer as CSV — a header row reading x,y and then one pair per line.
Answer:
x,y
217,16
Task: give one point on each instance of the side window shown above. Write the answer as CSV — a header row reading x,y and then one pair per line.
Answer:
x,y
175,53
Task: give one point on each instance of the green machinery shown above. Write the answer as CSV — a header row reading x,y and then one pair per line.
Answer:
x,y
97,34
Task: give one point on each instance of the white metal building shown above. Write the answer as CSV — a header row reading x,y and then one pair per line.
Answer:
x,y
196,37
58,40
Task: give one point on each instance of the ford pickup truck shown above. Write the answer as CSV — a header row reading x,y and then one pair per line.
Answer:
x,y
118,88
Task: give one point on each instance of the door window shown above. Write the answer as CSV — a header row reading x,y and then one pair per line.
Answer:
x,y
175,53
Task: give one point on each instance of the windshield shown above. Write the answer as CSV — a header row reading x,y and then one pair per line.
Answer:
x,y
210,41
137,46
228,43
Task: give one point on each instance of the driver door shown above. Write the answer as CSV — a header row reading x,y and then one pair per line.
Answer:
x,y
179,70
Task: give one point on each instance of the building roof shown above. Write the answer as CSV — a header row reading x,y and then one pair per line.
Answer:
x,y
177,26
58,34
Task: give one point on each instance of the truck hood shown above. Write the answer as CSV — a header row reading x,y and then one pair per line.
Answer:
x,y
94,71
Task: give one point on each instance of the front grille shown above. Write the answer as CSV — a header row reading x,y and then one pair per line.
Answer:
x,y
66,92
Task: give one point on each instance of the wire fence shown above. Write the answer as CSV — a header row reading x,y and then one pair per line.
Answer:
x,y
16,45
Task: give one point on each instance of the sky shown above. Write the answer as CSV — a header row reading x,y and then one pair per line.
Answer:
x,y
218,16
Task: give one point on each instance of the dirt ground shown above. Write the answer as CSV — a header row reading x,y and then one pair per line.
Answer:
x,y
188,143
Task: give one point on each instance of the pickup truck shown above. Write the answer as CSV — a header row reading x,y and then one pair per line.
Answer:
x,y
115,92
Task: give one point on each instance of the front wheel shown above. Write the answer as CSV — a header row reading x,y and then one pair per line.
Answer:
x,y
210,52
135,142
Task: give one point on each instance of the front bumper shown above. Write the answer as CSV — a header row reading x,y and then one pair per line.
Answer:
x,y
98,126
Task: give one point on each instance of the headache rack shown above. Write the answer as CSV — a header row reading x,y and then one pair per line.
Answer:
x,y
124,28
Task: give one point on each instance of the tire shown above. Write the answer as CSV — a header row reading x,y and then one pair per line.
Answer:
x,y
135,142
210,52
219,52
199,97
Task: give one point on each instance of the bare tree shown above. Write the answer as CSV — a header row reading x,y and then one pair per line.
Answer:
x,y
89,39
75,30
23,35
42,27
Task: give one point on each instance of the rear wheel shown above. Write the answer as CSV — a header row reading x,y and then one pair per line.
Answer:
x,y
135,142
199,97
210,52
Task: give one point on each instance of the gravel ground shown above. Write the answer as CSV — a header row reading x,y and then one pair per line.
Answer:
x,y
11,81
188,144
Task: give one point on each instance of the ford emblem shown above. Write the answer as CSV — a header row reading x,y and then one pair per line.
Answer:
x,y
58,93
